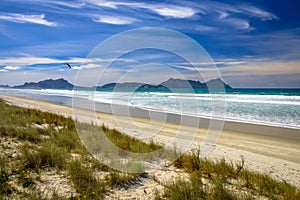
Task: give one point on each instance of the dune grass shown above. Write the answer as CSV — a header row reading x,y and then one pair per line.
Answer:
x,y
224,181
85,182
48,155
51,147
4,186
121,180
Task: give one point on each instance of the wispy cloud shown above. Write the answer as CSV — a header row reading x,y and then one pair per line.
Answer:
x,y
110,4
257,12
11,68
22,18
27,61
172,11
265,68
117,20
87,66
67,4
166,10
240,24
243,68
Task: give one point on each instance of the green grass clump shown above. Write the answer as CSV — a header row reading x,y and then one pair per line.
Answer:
x,y
184,190
220,173
5,188
48,155
23,117
85,182
23,133
118,179
66,138
220,192
268,187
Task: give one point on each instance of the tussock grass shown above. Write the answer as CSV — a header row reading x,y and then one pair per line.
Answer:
x,y
28,133
66,138
117,179
85,182
182,190
23,117
4,186
125,142
267,186
48,155
220,174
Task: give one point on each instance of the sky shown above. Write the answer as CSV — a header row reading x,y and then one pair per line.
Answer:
x,y
253,44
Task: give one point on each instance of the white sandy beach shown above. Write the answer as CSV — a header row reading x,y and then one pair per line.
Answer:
x,y
270,150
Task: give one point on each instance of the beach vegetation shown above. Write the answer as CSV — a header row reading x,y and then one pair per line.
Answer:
x,y
48,155
4,186
85,182
224,181
50,143
121,179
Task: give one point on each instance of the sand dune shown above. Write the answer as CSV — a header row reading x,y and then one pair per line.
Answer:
x,y
270,150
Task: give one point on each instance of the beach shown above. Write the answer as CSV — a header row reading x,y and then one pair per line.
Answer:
x,y
270,150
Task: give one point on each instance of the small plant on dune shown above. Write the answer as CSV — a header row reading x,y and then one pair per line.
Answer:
x,y
267,186
118,179
219,191
184,190
4,186
25,179
85,182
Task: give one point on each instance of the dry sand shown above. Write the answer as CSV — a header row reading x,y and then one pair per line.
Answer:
x,y
270,150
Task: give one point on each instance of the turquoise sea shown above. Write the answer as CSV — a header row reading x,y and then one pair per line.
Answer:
x,y
276,107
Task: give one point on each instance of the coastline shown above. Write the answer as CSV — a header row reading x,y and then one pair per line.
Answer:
x,y
269,150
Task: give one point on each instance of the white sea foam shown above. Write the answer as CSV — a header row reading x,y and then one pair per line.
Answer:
x,y
276,110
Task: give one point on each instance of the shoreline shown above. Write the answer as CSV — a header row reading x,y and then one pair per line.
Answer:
x,y
173,117
269,152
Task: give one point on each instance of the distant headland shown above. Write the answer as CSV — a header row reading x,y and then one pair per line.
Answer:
x,y
170,83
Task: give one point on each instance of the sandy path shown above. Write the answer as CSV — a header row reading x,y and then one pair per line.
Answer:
x,y
273,155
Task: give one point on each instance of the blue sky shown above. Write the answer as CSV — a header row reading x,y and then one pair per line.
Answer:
x,y
253,43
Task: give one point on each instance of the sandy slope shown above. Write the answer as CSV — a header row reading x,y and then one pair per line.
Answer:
x,y
274,153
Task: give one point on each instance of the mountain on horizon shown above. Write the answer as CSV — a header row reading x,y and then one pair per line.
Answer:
x,y
47,84
170,83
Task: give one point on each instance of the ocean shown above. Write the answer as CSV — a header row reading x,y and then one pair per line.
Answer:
x,y
275,107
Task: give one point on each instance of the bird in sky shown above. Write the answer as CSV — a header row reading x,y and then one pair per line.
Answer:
x,y
68,65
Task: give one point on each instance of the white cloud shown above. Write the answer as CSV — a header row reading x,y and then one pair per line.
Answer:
x,y
223,14
239,24
42,60
113,4
20,18
264,68
165,10
86,66
3,70
259,13
117,20
225,62
243,68
173,11
11,68
67,4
